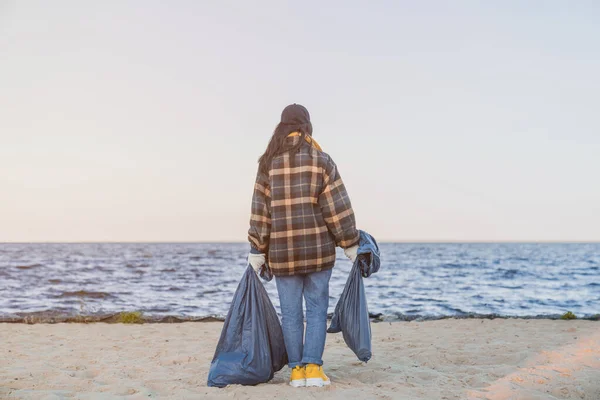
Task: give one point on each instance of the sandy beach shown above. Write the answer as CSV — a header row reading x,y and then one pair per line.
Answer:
x,y
445,359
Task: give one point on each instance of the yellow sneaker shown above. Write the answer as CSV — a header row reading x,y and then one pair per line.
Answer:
x,y
315,376
298,377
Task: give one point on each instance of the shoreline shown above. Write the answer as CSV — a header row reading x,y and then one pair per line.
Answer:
x,y
53,317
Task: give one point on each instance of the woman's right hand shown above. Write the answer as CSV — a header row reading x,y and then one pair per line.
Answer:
x,y
351,252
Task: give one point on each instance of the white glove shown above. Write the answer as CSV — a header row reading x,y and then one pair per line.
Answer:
x,y
257,261
351,252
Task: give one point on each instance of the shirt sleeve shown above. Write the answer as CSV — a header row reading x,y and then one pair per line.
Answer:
x,y
260,215
337,209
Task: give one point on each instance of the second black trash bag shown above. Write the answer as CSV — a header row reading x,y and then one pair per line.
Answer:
x,y
351,315
251,347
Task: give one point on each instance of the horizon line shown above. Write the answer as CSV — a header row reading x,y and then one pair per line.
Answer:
x,y
441,241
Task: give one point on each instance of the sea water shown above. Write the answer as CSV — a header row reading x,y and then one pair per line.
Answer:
x,y
199,279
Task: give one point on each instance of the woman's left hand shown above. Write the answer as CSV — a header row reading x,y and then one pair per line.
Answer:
x,y
257,261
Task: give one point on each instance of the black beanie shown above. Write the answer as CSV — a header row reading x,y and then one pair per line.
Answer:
x,y
295,114
295,118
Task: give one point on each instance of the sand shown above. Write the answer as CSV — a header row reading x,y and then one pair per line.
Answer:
x,y
445,359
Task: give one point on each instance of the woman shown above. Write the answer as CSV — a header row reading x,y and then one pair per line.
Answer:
x,y
300,213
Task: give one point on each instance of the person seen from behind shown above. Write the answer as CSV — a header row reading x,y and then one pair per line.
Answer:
x,y
300,213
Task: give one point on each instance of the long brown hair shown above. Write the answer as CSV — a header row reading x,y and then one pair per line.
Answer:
x,y
277,144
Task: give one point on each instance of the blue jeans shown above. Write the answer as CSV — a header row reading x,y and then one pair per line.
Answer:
x,y
315,289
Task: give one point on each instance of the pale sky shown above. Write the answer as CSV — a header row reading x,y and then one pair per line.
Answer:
x,y
144,120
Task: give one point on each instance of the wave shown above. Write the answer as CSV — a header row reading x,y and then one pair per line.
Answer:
x,y
32,266
84,293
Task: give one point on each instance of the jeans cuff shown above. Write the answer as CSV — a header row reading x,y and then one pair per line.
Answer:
x,y
308,360
294,365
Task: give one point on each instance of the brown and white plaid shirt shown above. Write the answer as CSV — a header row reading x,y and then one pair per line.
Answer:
x,y
301,212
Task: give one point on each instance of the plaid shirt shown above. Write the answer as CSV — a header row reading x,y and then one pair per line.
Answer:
x,y
300,212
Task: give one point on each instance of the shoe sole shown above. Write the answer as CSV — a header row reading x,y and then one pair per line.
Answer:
x,y
298,383
316,382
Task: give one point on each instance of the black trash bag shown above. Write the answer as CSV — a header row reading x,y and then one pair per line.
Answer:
x,y
351,315
251,348
369,256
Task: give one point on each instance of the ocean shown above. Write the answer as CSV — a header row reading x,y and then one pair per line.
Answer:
x,y
199,279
